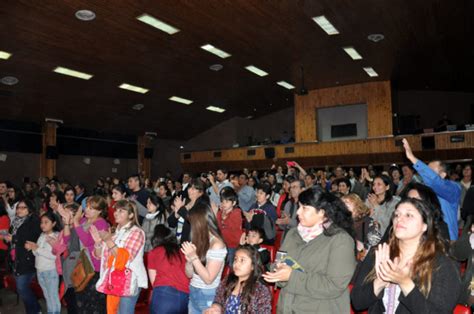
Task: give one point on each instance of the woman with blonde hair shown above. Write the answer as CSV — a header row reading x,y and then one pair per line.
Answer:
x,y
362,223
126,248
411,273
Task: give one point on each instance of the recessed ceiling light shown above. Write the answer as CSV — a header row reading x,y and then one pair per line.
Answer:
x,y
215,109
248,117
73,73
285,85
181,147
5,55
138,107
256,70
156,23
375,37
370,71
181,100
216,51
352,53
324,23
85,15
216,67
9,80
133,88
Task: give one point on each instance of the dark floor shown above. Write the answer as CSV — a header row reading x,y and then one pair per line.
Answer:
x,y
8,303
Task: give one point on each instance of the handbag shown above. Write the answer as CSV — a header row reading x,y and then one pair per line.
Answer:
x,y
83,272
119,279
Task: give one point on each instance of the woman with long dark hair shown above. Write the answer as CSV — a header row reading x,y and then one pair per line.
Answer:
x,y
381,202
24,227
156,215
182,207
166,270
411,273
321,251
243,291
205,257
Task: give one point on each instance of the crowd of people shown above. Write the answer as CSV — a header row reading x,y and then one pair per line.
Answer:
x,y
201,243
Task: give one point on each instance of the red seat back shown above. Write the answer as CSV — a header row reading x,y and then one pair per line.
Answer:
x,y
462,309
271,249
276,295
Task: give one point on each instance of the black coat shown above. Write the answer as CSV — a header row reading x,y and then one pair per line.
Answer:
x,y
445,289
25,260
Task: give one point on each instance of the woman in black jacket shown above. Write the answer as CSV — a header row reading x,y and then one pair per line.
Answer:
x,y
24,227
178,219
411,273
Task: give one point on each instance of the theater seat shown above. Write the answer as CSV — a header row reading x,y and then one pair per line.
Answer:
x,y
271,249
462,309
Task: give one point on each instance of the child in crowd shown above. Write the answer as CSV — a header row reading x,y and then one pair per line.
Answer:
x,y
166,270
45,264
263,214
229,219
242,291
254,238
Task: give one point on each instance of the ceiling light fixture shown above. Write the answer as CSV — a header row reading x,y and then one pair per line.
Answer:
x,y
376,37
215,109
133,88
138,107
73,73
9,80
5,55
352,53
181,100
85,15
285,85
324,23
216,67
371,72
216,51
156,23
256,70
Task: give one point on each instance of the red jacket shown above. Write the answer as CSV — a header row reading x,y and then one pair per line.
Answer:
x,y
231,227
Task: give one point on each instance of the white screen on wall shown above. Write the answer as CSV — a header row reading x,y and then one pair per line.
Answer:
x,y
336,123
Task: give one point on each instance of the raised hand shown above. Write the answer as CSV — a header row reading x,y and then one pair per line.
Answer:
x,y
95,234
408,151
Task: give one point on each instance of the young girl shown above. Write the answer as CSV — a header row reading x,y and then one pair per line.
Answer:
x,y
166,270
242,291
129,239
45,261
205,257
229,219
156,215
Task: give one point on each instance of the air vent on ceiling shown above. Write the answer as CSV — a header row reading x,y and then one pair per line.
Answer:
x,y
187,156
217,154
289,150
251,152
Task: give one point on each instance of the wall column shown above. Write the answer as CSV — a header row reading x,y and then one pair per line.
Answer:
x,y
144,163
48,166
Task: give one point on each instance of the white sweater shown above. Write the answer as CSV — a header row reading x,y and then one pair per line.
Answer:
x,y
45,259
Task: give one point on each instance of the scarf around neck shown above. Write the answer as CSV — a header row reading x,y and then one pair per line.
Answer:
x,y
310,233
17,222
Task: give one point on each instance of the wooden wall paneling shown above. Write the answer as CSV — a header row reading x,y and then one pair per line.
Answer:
x,y
377,96
48,166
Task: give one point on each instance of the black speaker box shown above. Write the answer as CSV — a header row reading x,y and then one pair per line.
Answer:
x,y
51,152
148,153
269,152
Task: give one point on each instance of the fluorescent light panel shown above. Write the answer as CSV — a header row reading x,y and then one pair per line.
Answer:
x,y
218,52
215,109
156,23
181,100
133,88
324,23
371,72
352,53
285,85
5,55
256,70
73,73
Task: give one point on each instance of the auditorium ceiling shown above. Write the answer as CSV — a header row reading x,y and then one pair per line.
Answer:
x,y
427,45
